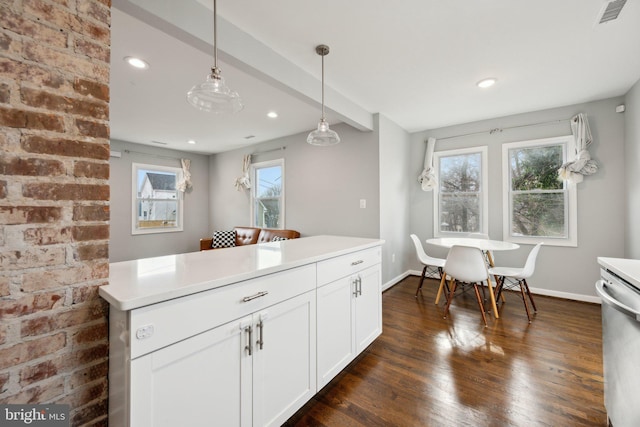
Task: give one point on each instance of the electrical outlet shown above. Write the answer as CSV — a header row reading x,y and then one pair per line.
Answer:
x,y
393,257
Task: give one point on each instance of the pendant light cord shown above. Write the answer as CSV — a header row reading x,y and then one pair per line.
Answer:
x,y
322,87
215,35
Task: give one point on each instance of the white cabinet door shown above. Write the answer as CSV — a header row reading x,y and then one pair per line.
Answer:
x,y
336,340
284,368
368,311
204,380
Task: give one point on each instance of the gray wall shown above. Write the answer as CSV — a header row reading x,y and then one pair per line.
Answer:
x,y
395,187
125,246
560,271
632,170
323,185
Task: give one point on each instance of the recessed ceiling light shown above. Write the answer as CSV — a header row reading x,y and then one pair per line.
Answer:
x,y
486,82
191,141
136,62
272,114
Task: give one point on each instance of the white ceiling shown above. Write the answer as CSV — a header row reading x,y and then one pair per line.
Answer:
x,y
414,61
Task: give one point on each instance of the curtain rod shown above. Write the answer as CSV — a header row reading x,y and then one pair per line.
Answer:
x,y
496,130
152,155
284,147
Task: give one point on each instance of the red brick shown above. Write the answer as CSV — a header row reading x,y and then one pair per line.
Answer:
x,y
91,88
64,276
94,412
64,61
91,213
3,189
30,350
45,392
5,93
32,257
46,191
30,167
95,11
86,293
3,337
85,107
33,29
8,44
29,304
4,286
89,374
4,379
91,334
93,50
88,355
92,252
90,232
32,73
11,215
17,118
47,236
78,315
40,371
93,129
91,170
65,147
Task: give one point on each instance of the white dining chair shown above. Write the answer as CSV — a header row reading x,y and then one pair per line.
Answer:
x,y
427,261
511,277
466,265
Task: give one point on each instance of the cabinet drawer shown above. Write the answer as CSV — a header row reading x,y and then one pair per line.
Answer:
x,y
336,268
162,324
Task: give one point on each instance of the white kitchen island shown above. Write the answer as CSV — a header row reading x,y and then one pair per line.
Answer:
x,y
241,336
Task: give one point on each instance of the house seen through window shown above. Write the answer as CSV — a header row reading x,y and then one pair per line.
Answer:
x,y
267,194
157,204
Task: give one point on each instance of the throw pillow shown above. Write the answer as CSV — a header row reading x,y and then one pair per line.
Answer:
x,y
224,239
278,238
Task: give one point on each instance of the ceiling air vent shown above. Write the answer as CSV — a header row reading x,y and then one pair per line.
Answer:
x,y
610,11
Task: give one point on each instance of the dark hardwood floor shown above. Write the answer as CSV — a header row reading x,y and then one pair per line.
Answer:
x,y
428,371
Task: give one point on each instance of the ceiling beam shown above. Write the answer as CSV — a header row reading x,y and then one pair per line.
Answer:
x,y
192,23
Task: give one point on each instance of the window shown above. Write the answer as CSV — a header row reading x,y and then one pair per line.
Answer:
x,y
460,199
157,204
267,194
537,206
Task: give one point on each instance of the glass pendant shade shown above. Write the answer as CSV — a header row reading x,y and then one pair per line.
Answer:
x,y
323,135
214,96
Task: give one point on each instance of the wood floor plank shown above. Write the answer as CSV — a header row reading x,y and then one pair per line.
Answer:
x,y
428,371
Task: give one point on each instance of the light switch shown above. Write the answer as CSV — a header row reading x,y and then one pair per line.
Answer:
x,y
363,203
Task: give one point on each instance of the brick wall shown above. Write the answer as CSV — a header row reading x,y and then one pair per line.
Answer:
x,y
54,204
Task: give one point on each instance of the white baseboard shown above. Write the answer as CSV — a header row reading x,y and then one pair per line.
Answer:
x,y
536,291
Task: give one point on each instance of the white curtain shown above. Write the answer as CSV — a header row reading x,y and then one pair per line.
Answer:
x,y
427,178
185,183
575,170
244,181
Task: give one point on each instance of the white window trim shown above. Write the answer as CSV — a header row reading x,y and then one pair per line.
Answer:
x,y
252,169
484,190
572,214
134,199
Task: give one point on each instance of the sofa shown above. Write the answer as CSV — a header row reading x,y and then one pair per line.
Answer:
x,y
241,236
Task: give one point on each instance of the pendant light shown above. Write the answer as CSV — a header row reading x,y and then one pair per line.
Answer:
x,y
213,95
323,135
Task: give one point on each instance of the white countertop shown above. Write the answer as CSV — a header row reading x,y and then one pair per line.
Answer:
x,y
628,269
133,284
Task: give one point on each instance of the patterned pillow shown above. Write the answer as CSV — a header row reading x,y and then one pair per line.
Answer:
x,y
224,239
278,238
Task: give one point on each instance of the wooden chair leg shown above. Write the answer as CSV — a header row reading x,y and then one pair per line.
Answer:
x,y
452,290
441,287
484,317
524,301
424,272
526,287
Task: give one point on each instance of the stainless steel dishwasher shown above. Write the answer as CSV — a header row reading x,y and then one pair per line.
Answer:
x,y
621,347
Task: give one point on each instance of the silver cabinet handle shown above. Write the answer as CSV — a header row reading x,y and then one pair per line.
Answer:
x,y
354,263
249,331
359,283
354,281
260,341
254,296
